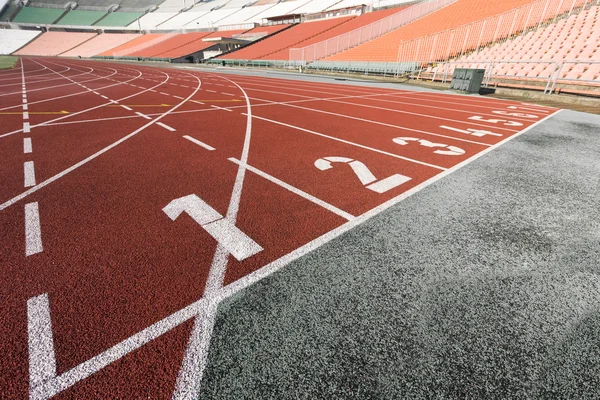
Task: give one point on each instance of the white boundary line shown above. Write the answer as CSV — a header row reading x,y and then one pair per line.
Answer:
x,y
199,143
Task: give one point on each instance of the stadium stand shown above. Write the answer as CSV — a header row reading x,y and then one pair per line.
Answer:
x,y
568,50
278,45
179,20
35,15
385,48
12,40
315,6
100,44
80,17
55,43
208,20
171,43
243,14
118,19
151,20
278,9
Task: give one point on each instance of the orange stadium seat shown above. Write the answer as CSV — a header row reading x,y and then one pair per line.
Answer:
x,y
135,44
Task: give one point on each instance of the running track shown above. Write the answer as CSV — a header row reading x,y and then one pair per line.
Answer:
x,y
135,199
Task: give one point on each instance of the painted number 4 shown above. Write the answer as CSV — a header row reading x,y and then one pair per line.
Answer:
x,y
363,173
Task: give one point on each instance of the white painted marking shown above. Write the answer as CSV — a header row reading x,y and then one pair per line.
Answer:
x,y
199,143
451,150
25,115
223,230
198,102
167,127
228,94
104,97
301,193
29,169
166,94
212,91
42,361
33,230
25,107
127,108
495,121
142,115
178,97
27,147
472,131
388,183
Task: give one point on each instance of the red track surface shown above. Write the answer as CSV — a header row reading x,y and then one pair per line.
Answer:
x,y
111,261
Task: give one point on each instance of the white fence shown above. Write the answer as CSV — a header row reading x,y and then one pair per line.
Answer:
x,y
358,36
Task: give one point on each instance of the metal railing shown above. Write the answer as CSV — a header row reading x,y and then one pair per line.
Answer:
x,y
454,43
368,32
544,71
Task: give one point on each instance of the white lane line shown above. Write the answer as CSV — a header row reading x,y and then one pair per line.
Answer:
x,y
225,109
142,115
27,147
199,143
127,108
178,97
198,102
33,230
104,97
166,94
167,127
29,169
212,91
353,144
25,107
42,361
228,94
25,115
26,127
299,192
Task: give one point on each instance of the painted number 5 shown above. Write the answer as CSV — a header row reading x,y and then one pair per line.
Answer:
x,y
448,150
496,121
363,173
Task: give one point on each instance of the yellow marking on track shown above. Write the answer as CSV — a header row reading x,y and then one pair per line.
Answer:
x,y
36,113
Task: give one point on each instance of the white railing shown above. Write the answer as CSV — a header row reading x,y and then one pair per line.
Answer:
x,y
358,36
454,43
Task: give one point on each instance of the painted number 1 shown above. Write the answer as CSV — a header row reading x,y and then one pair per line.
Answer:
x,y
363,173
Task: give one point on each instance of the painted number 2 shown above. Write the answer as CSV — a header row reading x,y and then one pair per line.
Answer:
x,y
363,173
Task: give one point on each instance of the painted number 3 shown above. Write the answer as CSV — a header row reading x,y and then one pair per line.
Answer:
x,y
442,149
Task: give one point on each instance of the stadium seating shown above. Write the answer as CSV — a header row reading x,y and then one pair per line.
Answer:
x,y
283,8
180,20
575,39
100,44
279,45
34,15
385,48
314,6
13,39
118,19
151,20
80,17
55,43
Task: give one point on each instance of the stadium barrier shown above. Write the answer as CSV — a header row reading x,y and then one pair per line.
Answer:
x,y
343,42
454,43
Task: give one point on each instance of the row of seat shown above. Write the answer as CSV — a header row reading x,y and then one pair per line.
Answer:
x,y
48,16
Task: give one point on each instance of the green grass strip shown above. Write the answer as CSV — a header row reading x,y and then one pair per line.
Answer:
x,y
7,62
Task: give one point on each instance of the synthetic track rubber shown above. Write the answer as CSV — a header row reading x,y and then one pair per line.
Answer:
x,y
113,263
